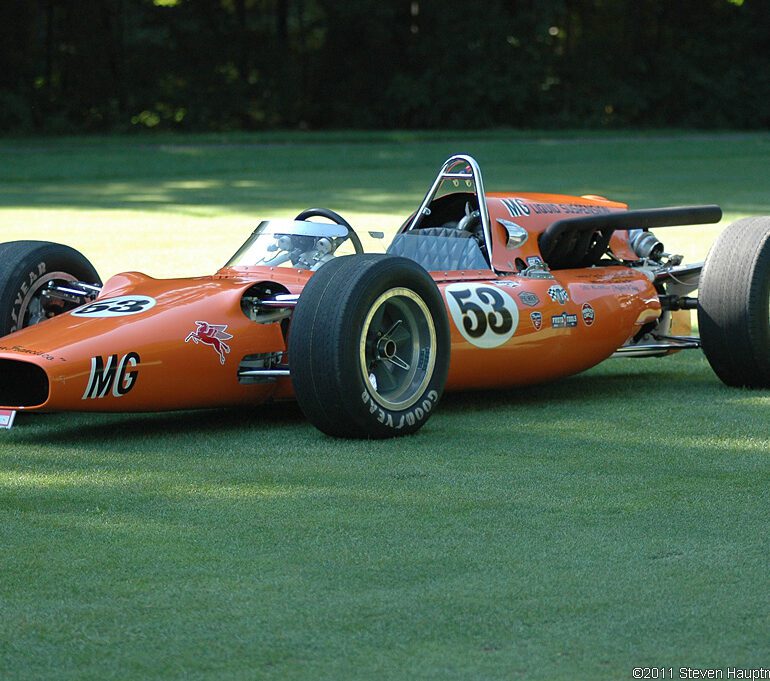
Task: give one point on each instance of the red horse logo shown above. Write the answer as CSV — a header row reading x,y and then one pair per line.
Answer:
x,y
214,335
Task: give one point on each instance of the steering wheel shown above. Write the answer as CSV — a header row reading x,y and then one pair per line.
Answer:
x,y
335,218
472,223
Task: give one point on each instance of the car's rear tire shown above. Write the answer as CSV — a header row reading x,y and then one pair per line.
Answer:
x,y
26,267
369,347
734,304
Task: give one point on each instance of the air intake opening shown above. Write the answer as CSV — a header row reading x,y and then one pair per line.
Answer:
x,y
22,384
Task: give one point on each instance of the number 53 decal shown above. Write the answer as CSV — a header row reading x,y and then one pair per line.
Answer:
x,y
115,307
485,315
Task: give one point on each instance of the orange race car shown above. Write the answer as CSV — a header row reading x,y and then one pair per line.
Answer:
x,y
477,290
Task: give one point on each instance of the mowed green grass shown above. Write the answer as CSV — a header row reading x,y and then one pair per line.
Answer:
x,y
574,530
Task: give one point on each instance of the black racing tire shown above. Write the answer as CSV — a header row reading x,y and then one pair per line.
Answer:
x,y
734,304
369,347
26,267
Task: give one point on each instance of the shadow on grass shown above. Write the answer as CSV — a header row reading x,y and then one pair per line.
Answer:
x,y
85,428
605,386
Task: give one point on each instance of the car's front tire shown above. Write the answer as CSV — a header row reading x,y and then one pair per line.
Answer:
x,y
369,347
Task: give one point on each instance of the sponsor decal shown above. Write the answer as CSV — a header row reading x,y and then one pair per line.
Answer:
x,y
537,320
508,283
564,321
485,316
567,208
26,351
529,299
214,335
408,418
122,306
116,376
606,277
535,261
588,314
516,207
558,294
6,418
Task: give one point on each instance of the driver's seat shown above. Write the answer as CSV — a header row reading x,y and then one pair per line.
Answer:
x,y
448,249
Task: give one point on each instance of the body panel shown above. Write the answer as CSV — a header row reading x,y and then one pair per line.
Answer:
x,y
146,344
603,309
164,370
151,361
534,213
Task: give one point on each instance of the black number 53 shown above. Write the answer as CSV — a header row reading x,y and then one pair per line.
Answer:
x,y
491,314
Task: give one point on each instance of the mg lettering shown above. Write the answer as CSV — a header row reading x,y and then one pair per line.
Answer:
x,y
117,376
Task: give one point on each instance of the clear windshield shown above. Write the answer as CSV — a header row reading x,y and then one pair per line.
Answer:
x,y
287,243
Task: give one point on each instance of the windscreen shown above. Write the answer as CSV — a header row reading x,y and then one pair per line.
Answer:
x,y
297,244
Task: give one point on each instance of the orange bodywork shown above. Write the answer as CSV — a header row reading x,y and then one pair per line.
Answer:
x,y
620,302
185,351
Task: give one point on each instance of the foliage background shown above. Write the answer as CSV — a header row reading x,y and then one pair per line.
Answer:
x,y
86,65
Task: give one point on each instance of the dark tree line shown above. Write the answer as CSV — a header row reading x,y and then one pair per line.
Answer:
x,y
250,64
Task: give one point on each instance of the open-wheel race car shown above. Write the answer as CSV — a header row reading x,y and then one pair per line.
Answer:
x,y
477,290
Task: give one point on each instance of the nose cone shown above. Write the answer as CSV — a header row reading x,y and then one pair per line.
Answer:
x,y
22,384
151,345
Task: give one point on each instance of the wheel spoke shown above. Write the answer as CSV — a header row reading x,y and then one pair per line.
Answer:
x,y
389,333
400,334
399,362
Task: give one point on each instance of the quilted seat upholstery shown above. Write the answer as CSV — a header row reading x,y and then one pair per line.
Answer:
x,y
440,248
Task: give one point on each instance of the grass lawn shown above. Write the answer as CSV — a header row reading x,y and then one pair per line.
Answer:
x,y
576,530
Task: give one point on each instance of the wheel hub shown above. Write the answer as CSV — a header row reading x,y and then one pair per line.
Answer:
x,y
398,348
386,348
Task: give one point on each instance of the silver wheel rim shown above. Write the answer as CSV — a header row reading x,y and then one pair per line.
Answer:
x,y
31,307
397,350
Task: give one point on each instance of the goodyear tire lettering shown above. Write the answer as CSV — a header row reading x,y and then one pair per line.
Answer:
x,y
409,418
23,290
